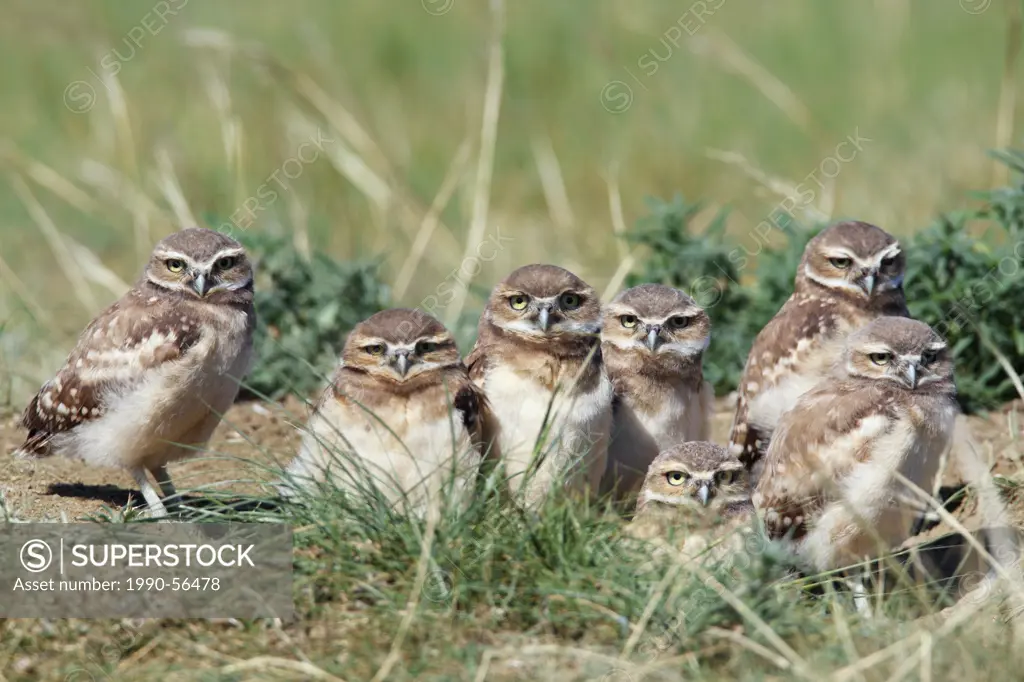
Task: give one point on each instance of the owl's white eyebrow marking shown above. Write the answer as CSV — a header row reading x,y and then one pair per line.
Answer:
x,y
618,309
891,252
232,252
164,255
936,346
688,312
831,282
436,338
876,259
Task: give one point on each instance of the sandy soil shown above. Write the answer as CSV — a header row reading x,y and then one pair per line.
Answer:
x,y
264,434
252,437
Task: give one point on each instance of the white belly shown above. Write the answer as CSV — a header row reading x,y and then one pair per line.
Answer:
x,y
569,431
167,412
407,459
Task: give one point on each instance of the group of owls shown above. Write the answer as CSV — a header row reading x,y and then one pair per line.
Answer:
x,y
841,391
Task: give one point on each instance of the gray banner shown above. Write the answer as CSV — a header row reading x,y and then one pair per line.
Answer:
x,y
145,570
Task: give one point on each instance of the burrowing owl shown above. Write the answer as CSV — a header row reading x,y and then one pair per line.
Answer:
x,y
653,338
850,274
828,487
538,359
151,376
694,493
400,412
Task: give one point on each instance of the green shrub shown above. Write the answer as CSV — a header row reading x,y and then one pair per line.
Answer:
x,y
964,277
305,309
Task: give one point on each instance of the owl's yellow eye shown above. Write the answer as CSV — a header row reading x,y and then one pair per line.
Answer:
x,y
175,265
628,321
725,477
227,262
675,477
571,301
375,349
880,358
518,302
840,263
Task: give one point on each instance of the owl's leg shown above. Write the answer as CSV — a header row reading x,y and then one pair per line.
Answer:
x,y
153,501
163,478
861,601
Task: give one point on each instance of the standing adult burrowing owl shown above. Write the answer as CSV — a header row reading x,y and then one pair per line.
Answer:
x,y
850,274
652,341
151,376
538,359
829,487
694,494
388,417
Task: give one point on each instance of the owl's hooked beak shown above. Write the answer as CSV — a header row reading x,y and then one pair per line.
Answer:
x,y
402,361
653,333
544,316
704,492
199,284
910,376
867,282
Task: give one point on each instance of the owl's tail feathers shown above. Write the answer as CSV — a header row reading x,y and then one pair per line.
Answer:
x,y
36,445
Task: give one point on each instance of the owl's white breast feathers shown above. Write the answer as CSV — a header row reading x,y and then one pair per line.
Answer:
x,y
143,382
576,423
767,407
396,449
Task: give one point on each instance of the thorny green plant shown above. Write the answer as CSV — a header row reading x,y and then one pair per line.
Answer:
x,y
305,308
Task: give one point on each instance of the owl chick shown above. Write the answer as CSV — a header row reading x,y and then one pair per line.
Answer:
x,y
387,417
829,490
850,274
653,338
694,494
538,360
151,376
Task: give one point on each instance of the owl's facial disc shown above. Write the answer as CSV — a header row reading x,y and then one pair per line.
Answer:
x,y
544,316
227,270
861,274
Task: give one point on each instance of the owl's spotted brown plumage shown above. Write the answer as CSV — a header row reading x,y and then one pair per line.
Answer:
x,y
538,359
829,488
653,340
151,376
850,274
401,414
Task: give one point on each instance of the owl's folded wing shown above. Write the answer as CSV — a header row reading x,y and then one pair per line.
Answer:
x,y
780,349
113,353
814,447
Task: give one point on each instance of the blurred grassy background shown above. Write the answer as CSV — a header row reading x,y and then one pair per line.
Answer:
x,y
202,102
